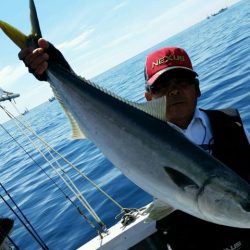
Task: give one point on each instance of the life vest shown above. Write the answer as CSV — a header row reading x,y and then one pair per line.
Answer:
x,y
230,142
183,231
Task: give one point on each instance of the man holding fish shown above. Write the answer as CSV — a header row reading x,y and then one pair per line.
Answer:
x,y
169,73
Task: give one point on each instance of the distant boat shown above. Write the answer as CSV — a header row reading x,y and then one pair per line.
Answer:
x,y
218,12
25,111
7,96
51,99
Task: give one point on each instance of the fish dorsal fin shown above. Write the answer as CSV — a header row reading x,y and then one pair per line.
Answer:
x,y
76,131
158,210
155,108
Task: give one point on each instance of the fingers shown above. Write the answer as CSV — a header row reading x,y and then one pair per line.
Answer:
x,y
41,68
24,52
42,43
36,59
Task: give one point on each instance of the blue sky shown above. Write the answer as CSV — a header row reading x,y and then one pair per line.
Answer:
x,y
93,35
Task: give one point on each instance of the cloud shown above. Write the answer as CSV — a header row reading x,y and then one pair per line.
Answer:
x,y
118,6
119,40
78,42
10,74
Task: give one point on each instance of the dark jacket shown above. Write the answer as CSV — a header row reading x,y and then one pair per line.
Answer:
x,y
185,232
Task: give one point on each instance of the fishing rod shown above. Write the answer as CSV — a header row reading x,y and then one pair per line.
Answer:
x,y
77,192
32,231
102,225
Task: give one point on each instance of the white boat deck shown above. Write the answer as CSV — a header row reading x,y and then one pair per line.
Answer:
x,y
122,238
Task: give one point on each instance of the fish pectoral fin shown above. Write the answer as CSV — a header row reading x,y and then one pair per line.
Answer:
x,y
158,210
181,180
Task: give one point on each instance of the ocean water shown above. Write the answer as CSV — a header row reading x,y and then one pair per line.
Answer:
x,y
220,51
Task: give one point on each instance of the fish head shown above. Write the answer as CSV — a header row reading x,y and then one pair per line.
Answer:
x,y
224,198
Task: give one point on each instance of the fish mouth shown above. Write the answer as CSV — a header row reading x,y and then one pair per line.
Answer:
x,y
245,204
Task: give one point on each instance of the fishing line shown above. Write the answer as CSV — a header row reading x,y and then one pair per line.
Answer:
x,y
77,193
34,234
15,107
5,230
9,245
70,164
13,243
25,218
73,187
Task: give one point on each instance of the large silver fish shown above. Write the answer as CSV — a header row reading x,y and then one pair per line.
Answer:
x,y
137,139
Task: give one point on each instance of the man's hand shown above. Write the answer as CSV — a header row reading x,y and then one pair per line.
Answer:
x,y
36,59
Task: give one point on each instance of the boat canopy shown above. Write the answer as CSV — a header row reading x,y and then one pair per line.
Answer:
x,y
7,96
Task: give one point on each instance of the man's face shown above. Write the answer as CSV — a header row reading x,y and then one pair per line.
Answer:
x,y
181,95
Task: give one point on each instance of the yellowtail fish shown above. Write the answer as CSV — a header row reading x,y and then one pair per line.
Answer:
x,y
137,139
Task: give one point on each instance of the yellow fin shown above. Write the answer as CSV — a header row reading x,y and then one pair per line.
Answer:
x,y
14,34
76,131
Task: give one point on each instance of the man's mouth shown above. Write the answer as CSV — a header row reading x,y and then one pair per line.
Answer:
x,y
176,103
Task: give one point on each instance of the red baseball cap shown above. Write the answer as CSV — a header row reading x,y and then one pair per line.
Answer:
x,y
166,60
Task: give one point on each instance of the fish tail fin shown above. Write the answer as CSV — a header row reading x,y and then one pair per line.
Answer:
x,y
35,26
14,34
20,39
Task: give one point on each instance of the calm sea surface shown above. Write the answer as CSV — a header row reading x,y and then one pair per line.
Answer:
x,y
220,51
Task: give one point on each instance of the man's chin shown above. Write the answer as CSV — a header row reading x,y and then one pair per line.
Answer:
x,y
178,110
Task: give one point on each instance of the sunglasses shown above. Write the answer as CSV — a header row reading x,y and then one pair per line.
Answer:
x,y
163,85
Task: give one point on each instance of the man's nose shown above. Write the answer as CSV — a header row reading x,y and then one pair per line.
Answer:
x,y
173,90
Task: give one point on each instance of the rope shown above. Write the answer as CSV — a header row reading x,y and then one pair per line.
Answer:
x,y
73,187
69,163
77,194
66,196
128,215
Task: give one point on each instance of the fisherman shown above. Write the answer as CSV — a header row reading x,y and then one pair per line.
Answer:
x,y
169,73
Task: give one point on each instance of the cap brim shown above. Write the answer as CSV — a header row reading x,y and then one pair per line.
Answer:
x,y
168,70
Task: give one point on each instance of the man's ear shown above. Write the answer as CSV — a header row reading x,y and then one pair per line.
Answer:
x,y
148,96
